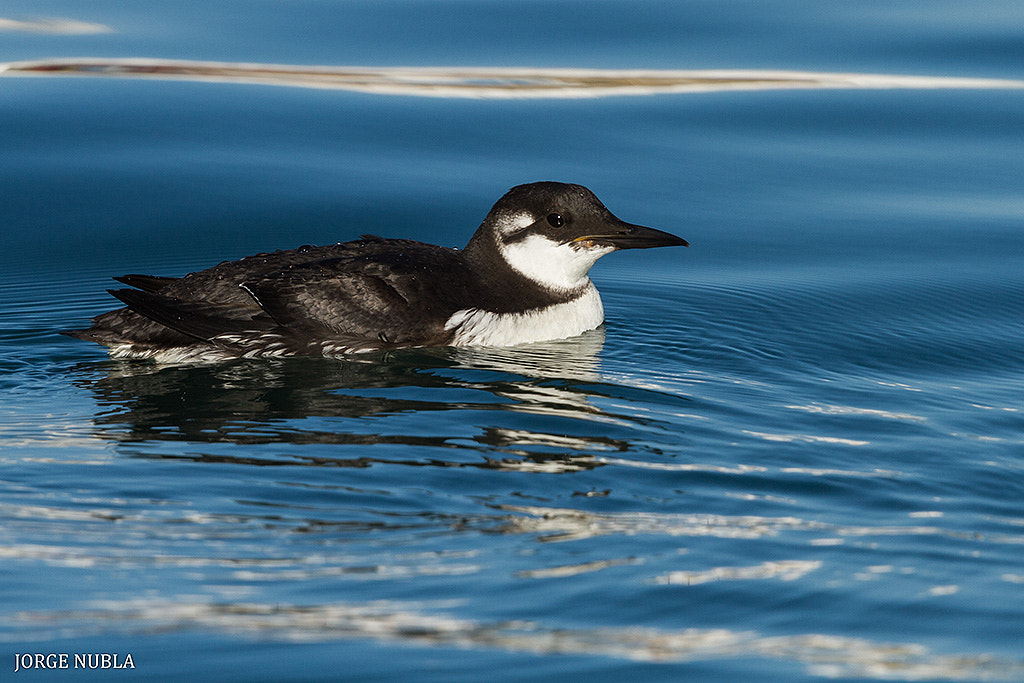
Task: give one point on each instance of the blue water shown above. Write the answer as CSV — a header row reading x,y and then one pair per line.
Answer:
x,y
795,451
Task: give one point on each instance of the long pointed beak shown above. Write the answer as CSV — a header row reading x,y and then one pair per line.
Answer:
x,y
629,236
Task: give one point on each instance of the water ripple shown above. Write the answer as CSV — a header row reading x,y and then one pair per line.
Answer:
x,y
433,625
491,82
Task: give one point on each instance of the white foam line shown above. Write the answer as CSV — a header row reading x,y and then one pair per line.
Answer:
x,y
492,83
826,409
55,25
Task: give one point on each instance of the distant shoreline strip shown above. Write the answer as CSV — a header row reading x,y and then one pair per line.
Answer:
x,y
493,83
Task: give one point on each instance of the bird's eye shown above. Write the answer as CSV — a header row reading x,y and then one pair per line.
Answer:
x,y
555,220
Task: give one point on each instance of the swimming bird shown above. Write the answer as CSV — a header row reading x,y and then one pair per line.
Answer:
x,y
523,277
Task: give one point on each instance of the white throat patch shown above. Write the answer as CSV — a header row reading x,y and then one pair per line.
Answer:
x,y
552,264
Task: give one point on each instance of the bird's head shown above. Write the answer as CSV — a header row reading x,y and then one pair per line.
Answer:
x,y
552,233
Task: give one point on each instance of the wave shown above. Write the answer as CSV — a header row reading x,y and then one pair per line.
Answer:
x,y
492,82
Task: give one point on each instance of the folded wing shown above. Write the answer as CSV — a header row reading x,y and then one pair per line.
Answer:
x,y
357,296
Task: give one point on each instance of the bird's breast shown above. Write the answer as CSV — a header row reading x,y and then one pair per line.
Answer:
x,y
477,327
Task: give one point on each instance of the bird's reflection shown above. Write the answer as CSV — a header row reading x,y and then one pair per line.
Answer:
x,y
325,401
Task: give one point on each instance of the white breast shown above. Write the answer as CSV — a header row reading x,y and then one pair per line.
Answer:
x,y
474,327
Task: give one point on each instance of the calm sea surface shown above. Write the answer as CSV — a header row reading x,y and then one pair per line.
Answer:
x,y
795,451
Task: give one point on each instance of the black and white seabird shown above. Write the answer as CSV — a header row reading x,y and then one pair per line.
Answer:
x,y
521,278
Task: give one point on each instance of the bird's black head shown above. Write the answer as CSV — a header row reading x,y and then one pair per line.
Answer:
x,y
554,232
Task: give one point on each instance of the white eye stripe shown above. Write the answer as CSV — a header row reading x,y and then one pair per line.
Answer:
x,y
516,221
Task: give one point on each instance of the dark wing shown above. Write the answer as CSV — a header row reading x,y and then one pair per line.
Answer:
x,y
366,294
125,326
392,293
147,283
201,320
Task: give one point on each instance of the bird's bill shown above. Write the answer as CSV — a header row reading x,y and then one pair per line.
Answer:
x,y
629,236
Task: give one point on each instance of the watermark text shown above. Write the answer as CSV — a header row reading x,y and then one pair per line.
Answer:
x,y
24,661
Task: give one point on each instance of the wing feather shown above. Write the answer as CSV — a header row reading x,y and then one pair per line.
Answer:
x,y
147,283
201,320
